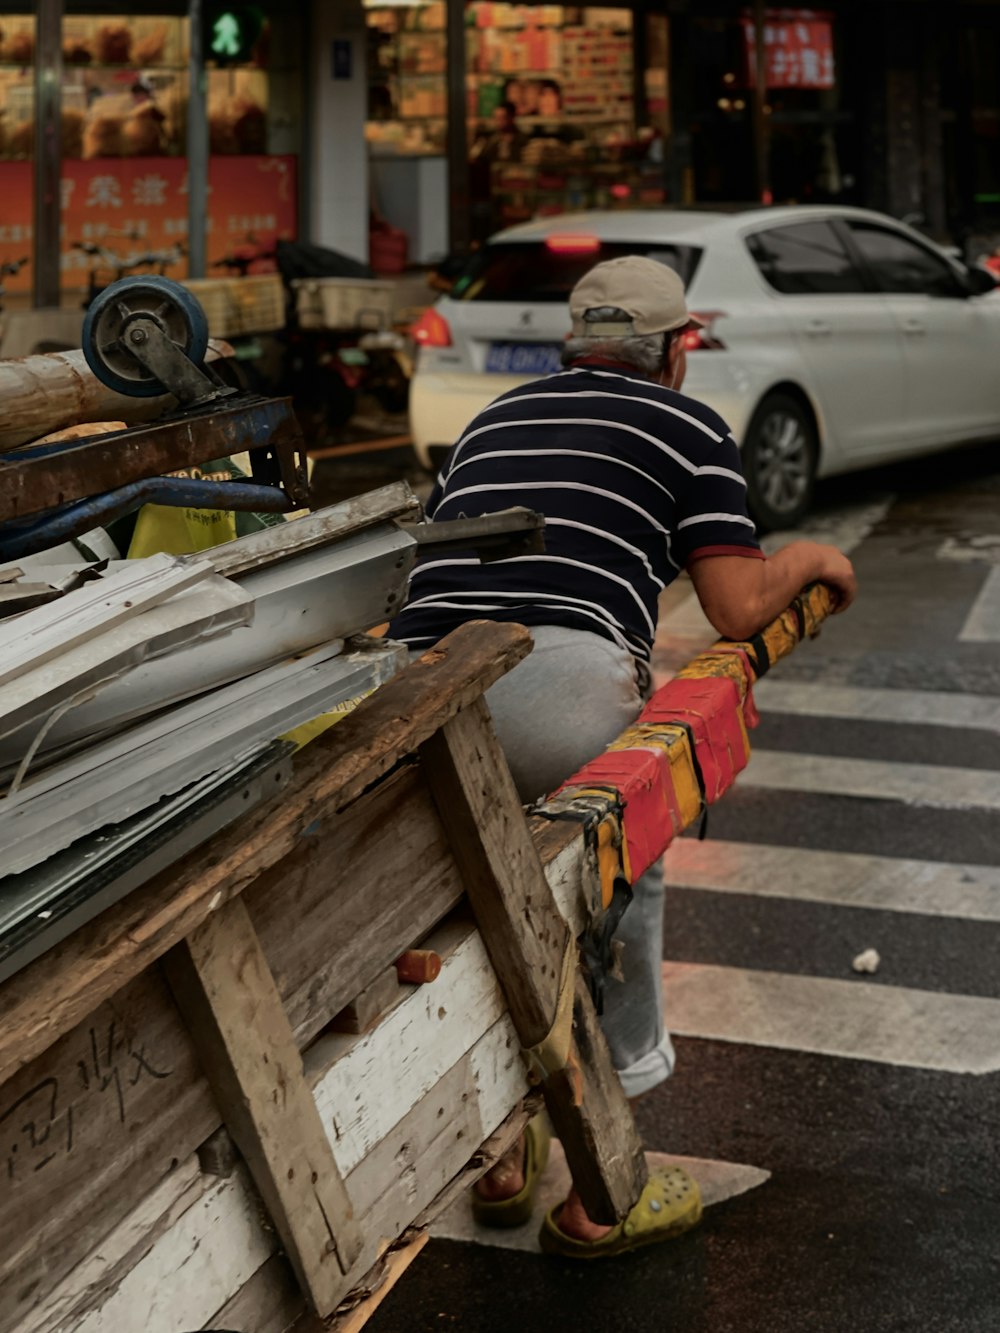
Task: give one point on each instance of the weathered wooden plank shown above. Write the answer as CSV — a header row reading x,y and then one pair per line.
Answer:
x,y
367,1007
201,1261
365,1085
224,988
54,994
526,938
87,1283
270,1302
328,931
200,1254
87,1131
477,802
392,1266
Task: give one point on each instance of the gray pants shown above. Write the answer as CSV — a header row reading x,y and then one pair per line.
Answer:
x,y
557,709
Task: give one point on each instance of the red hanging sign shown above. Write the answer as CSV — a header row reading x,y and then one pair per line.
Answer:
x,y
798,48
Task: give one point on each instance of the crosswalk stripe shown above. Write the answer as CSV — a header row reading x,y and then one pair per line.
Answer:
x,y
933,785
982,625
922,707
854,1020
718,1181
845,879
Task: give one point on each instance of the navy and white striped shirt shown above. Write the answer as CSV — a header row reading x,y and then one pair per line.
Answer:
x,y
635,481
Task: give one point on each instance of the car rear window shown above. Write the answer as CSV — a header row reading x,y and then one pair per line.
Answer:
x,y
531,271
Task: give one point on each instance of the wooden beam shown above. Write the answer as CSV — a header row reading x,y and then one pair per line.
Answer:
x,y
526,938
224,988
58,991
392,1266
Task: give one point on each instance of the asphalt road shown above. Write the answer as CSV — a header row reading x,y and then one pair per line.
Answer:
x,y
867,1104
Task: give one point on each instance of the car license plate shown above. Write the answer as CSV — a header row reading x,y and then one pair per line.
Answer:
x,y
523,358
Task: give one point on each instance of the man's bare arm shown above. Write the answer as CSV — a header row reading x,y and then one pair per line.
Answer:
x,y
740,596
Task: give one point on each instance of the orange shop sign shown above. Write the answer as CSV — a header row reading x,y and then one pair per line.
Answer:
x,y
136,206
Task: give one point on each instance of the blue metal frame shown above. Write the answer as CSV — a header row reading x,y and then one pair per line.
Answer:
x,y
24,537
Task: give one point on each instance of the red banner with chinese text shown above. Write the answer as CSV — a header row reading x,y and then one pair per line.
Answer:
x,y
798,49
134,206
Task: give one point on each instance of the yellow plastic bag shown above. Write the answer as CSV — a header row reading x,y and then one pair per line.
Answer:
x,y
183,531
180,531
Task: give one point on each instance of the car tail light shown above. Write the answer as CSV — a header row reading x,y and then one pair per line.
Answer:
x,y
572,243
704,340
431,330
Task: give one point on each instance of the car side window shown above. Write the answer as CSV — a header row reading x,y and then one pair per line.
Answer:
x,y
805,259
902,265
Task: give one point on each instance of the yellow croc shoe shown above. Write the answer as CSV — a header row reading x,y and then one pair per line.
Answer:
x,y
514,1212
669,1204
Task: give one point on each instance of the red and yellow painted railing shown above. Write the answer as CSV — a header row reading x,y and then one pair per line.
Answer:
x,y
682,754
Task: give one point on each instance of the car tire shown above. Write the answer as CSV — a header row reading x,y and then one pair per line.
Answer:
x,y
780,457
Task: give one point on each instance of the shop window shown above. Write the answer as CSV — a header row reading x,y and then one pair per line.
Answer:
x,y
807,258
903,266
564,74
124,107
407,90
17,87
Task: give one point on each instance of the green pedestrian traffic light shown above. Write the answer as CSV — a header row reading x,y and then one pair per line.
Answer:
x,y
226,36
232,32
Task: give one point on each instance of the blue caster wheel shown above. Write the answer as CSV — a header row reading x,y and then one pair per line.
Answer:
x,y
105,346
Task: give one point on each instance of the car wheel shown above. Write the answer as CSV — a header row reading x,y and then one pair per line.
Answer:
x,y
780,455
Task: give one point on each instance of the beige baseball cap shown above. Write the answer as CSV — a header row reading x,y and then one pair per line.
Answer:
x,y
651,294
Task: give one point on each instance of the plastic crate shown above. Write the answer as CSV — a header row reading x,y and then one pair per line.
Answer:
x,y
236,306
344,303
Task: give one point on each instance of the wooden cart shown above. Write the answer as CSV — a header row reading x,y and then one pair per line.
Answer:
x,y
219,1107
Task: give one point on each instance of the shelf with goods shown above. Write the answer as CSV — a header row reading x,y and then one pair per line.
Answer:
x,y
407,91
553,63
17,85
125,90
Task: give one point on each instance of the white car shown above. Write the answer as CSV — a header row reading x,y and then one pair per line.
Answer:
x,y
836,338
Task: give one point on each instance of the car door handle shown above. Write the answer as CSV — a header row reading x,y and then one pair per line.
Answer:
x,y
913,328
818,328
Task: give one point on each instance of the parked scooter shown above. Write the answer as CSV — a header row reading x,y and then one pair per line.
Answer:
x,y
107,265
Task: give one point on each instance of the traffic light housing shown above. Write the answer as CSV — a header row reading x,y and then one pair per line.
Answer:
x,y
231,32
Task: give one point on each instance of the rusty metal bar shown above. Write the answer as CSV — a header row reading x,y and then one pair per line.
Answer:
x,y
32,480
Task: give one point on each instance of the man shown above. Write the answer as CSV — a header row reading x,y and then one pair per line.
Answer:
x,y
637,482
503,144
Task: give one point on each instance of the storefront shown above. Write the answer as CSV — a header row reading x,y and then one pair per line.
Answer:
x,y
120,92
586,95
612,107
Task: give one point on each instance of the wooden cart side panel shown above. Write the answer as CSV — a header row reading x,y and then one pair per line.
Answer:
x,y
89,1129
386,866
205,1256
58,991
113,1167
365,1085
